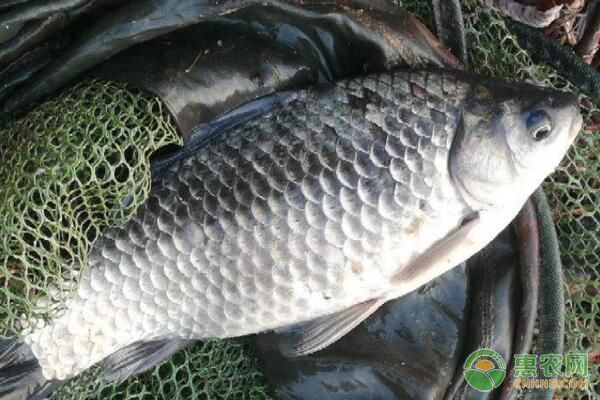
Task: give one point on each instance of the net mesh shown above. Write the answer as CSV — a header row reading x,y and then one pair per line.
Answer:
x,y
72,167
132,120
225,369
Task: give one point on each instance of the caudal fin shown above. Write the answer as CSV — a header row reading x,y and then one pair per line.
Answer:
x,y
21,376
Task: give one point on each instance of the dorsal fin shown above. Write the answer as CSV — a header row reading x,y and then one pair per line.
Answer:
x,y
204,132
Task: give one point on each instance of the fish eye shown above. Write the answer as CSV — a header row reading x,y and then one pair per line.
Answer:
x,y
541,133
539,124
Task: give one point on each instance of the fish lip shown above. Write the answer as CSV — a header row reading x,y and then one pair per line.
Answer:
x,y
576,125
568,104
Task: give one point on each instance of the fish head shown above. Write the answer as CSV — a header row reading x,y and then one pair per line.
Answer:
x,y
509,139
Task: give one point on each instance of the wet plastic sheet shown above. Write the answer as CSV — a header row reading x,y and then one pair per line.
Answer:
x,y
394,37
205,70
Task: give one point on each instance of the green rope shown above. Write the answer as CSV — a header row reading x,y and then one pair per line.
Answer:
x,y
565,61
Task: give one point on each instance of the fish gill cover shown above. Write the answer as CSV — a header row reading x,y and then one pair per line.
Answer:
x,y
228,369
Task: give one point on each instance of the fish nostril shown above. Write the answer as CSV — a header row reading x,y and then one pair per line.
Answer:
x,y
563,100
556,101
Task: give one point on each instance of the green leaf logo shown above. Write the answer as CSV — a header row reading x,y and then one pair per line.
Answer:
x,y
484,370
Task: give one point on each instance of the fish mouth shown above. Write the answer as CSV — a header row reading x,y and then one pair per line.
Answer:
x,y
576,124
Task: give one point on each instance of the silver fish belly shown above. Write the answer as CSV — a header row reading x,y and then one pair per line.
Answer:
x,y
300,213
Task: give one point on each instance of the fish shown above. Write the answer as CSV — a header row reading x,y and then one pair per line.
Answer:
x,y
303,219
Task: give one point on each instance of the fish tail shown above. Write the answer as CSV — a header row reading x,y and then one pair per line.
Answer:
x,y
21,376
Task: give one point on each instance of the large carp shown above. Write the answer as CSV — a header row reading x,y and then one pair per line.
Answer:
x,y
306,218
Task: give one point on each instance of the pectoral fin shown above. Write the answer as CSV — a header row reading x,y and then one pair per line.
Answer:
x,y
443,255
314,335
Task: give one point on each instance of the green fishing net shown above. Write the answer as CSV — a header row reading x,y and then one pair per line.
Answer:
x,y
76,165
93,171
225,369
71,168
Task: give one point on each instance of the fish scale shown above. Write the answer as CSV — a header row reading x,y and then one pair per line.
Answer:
x,y
278,221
